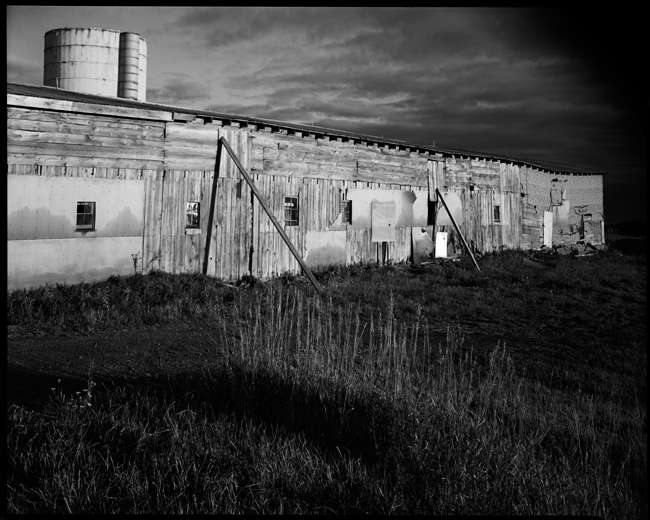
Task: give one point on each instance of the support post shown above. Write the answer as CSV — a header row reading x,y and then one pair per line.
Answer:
x,y
247,178
213,196
458,229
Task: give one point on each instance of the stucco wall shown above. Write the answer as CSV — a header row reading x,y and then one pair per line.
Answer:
x,y
43,244
31,263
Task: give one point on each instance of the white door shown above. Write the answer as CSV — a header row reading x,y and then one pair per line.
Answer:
x,y
441,244
548,228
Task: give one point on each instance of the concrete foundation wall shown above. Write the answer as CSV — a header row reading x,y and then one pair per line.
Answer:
x,y
31,263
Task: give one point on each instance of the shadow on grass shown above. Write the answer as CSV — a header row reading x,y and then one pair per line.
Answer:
x,y
366,427
363,427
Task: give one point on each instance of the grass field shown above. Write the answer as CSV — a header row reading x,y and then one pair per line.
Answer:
x,y
404,389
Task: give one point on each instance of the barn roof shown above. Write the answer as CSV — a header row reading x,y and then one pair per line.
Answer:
x,y
68,95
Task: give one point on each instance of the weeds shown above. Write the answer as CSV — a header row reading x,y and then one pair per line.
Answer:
x,y
366,400
314,409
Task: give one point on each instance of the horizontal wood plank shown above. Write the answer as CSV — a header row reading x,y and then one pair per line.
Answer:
x,y
87,108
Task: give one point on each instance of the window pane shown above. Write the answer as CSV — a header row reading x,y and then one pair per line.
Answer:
x,y
192,212
86,215
291,211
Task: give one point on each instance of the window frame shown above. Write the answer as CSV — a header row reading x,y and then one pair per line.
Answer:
x,y
190,212
345,207
93,214
291,211
496,213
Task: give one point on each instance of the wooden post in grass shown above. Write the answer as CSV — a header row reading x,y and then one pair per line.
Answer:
x,y
458,229
249,181
213,196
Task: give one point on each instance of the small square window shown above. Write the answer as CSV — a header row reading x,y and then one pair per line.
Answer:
x,y
346,211
86,216
192,215
291,211
497,214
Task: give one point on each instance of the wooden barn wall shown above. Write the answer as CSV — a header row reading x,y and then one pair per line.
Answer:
x,y
56,138
175,160
191,146
481,184
295,156
318,202
240,222
169,246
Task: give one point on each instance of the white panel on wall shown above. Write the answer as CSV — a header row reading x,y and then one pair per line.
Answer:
x,y
362,200
548,228
383,221
441,244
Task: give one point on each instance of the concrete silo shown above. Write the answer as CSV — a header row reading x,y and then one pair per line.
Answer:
x,y
83,60
132,68
96,61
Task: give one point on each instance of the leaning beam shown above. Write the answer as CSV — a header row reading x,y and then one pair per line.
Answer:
x,y
223,142
213,197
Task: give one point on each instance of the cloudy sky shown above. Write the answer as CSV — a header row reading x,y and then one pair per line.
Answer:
x,y
550,86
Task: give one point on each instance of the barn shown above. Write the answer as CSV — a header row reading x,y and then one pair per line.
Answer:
x,y
101,182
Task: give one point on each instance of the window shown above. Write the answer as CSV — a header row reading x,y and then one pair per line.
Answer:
x,y
291,211
432,208
86,216
192,215
497,214
346,211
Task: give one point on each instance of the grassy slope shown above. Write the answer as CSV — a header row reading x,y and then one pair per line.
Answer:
x,y
567,437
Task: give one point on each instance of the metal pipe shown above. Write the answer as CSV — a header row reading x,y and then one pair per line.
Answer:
x,y
458,229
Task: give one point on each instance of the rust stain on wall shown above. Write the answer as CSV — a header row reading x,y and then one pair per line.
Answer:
x,y
41,223
125,224
32,224
422,245
325,248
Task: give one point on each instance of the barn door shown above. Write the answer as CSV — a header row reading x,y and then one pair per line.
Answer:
x,y
183,217
231,237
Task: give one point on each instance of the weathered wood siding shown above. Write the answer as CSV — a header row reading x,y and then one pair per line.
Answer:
x,y
240,223
54,138
174,156
169,246
481,185
296,156
191,146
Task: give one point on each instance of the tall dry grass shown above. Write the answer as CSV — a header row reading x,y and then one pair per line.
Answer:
x,y
499,441
308,406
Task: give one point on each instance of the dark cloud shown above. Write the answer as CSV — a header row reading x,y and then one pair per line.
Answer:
x,y
546,85
24,72
180,91
229,25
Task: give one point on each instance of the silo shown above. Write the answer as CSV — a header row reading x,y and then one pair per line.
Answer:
x,y
132,79
142,69
82,59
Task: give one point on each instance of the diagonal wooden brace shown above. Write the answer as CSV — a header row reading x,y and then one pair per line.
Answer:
x,y
223,143
458,229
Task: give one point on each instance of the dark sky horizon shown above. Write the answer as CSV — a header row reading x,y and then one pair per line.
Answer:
x,y
553,86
